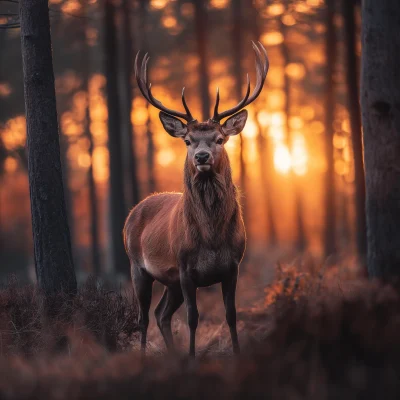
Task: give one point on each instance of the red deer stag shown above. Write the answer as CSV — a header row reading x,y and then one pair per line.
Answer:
x,y
195,238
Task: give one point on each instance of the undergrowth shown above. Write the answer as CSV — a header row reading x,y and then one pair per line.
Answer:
x,y
30,325
319,333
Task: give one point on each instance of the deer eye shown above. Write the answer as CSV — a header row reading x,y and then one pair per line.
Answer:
x,y
187,142
220,141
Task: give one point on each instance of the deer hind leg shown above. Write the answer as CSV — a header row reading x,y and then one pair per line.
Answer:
x,y
171,300
143,284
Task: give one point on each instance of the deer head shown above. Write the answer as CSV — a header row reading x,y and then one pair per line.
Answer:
x,y
205,140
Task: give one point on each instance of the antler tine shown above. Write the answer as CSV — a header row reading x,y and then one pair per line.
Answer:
x,y
145,88
238,107
262,66
216,106
138,78
266,60
186,107
259,75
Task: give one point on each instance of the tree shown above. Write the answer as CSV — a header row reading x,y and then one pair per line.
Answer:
x,y
355,123
301,237
237,34
201,39
330,49
266,164
143,18
94,230
117,203
131,169
51,236
380,99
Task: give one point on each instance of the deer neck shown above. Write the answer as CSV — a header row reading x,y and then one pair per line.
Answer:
x,y
209,201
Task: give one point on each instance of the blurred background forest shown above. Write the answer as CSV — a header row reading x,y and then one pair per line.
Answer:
x,y
294,163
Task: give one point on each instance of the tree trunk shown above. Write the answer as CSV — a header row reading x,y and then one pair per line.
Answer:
x,y
201,39
355,123
68,194
380,99
237,34
330,211
117,203
94,226
128,51
299,220
51,237
266,166
149,134
264,148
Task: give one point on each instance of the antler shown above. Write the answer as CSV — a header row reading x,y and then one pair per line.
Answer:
x,y
145,87
262,66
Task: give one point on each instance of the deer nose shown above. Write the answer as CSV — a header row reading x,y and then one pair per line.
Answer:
x,y
202,157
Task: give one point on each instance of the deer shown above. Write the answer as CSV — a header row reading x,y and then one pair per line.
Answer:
x,y
195,238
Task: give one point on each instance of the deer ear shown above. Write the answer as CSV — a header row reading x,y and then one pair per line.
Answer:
x,y
235,124
174,126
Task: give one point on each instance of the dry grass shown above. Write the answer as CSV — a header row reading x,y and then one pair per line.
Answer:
x,y
30,326
316,333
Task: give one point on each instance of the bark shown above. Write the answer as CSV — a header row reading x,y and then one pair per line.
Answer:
x,y
237,34
330,211
301,242
149,133
94,226
117,203
128,52
355,123
201,39
51,237
68,195
2,149
380,99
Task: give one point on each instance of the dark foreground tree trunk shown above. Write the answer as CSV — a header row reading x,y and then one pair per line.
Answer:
x,y
130,154
330,214
355,123
118,212
51,236
380,100
201,39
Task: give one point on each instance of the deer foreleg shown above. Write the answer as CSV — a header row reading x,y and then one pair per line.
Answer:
x,y
228,293
189,295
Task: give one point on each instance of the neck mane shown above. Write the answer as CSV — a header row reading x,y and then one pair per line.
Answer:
x,y
209,201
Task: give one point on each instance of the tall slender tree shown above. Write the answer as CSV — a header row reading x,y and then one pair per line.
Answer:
x,y
117,204
201,26
68,193
355,123
237,45
330,209
380,99
143,18
299,219
94,226
264,148
51,237
130,155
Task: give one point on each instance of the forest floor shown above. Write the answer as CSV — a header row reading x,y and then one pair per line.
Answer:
x,y
307,331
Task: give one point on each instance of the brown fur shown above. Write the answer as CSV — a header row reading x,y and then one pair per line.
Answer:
x,y
165,224
190,239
